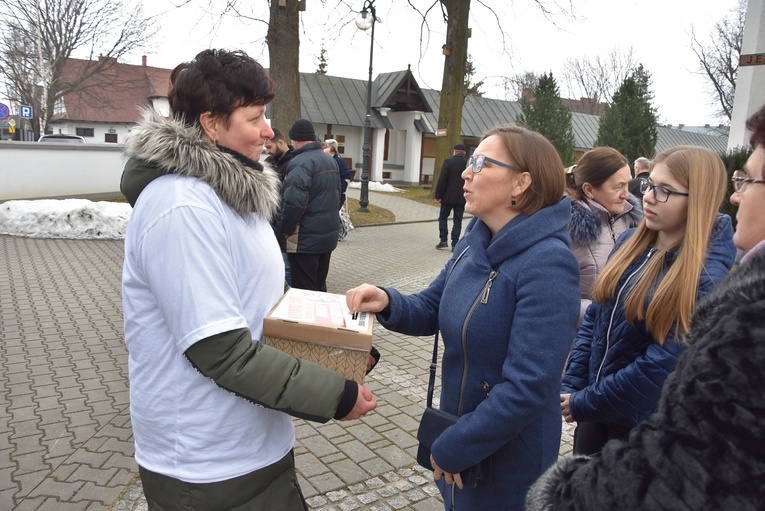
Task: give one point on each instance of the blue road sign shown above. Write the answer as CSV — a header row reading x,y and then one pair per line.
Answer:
x,y
25,111
5,112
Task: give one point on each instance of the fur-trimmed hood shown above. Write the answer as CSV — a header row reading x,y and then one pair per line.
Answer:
x,y
586,223
158,146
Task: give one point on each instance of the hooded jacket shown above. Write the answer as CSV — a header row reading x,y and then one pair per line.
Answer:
x,y
507,307
594,232
616,369
182,185
310,221
702,450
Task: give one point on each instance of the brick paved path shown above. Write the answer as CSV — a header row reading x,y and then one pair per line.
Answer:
x,y
65,437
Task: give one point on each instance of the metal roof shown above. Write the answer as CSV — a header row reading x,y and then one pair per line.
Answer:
x,y
342,101
671,137
333,100
399,91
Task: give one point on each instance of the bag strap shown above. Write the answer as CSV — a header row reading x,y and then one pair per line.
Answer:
x,y
433,365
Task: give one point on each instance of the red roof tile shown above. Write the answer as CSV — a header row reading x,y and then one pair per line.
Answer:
x,y
116,93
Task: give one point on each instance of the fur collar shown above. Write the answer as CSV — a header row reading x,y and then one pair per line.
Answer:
x,y
586,223
172,147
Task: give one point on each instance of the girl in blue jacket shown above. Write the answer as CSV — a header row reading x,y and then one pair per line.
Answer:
x,y
629,340
507,305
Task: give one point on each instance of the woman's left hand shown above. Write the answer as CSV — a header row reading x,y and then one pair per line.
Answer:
x,y
448,477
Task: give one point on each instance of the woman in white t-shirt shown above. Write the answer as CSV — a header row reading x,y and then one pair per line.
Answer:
x,y
211,406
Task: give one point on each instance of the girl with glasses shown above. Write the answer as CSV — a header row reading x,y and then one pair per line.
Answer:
x,y
702,449
601,210
507,306
629,340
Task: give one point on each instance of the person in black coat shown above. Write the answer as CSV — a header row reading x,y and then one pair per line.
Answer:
x,y
450,196
642,171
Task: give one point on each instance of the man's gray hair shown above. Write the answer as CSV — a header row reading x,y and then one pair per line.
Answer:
x,y
643,163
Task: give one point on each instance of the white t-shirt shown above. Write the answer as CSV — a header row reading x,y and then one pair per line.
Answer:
x,y
195,268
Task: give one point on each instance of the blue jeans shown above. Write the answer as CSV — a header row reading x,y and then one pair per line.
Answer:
x,y
443,229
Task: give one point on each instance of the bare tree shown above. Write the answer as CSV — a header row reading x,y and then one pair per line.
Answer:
x,y
598,78
719,56
456,15
38,37
515,85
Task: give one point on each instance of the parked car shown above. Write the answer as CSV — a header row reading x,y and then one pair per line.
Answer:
x,y
68,139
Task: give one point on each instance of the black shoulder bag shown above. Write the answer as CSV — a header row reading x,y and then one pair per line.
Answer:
x,y
434,421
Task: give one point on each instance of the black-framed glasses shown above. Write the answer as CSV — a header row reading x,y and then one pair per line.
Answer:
x,y
476,163
741,181
660,193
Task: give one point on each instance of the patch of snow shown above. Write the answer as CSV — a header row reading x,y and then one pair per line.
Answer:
x,y
67,218
375,186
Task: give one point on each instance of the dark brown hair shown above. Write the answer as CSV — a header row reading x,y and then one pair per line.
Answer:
x,y
219,82
278,135
596,167
534,154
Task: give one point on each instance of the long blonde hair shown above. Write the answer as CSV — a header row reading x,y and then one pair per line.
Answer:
x,y
672,299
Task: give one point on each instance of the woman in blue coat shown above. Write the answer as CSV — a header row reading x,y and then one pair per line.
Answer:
x,y
629,340
507,305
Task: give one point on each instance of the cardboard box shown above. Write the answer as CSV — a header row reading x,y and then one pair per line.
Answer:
x,y
319,327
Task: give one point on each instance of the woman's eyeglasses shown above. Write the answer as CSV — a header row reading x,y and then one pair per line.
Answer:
x,y
741,181
476,163
660,193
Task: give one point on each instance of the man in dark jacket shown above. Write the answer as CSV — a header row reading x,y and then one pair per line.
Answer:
x,y
449,196
310,201
642,171
279,153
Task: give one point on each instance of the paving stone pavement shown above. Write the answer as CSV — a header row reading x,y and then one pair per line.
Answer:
x,y
65,435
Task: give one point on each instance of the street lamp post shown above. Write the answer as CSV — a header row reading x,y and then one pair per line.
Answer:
x,y
365,21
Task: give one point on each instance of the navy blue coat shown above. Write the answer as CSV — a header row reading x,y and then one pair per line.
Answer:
x,y
310,201
633,366
345,175
507,308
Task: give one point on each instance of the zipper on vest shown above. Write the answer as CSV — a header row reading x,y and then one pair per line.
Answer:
x,y
616,304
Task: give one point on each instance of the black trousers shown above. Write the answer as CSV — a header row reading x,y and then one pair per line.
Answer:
x,y
443,226
590,437
309,271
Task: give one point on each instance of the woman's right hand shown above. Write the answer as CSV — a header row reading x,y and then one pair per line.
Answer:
x,y
366,298
565,407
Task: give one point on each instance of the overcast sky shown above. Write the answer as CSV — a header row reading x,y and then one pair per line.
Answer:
x,y
658,31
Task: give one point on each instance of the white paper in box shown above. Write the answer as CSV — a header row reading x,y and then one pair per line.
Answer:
x,y
319,327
